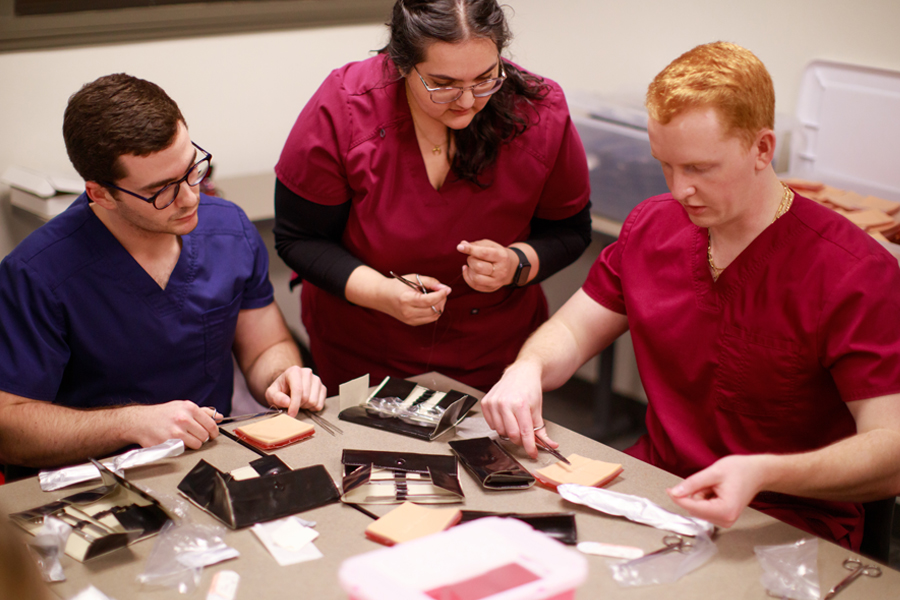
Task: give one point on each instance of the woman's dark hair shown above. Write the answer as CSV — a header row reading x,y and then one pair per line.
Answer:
x,y
416,24
113,116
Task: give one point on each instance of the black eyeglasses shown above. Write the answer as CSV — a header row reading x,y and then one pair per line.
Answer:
x,y
167,195
446,95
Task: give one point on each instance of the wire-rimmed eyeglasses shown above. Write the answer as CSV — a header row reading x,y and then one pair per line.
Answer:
x,y
446,95
166,196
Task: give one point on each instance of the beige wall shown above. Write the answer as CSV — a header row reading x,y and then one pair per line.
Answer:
x,y
241,93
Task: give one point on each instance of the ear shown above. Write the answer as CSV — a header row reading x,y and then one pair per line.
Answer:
x,y
99,195
765,148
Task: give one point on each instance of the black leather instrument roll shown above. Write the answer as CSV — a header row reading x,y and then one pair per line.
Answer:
x,y
265,498
491,465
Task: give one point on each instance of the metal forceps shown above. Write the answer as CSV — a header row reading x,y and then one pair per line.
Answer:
x,y
418,286
247,417
672,543
856,568
321,422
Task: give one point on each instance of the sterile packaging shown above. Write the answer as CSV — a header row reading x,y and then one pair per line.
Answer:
x,y
666,566
181,552
48,546
790,570
60,478
634,508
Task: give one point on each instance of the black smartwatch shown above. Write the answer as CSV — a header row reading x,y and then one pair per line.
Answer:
x,y
522,271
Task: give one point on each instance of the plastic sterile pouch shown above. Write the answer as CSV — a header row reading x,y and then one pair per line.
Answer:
x,y
789,570
634,508
48,545
666,566
181,552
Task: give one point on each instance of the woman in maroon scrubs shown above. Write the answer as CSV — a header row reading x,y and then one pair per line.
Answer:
x,y
442,162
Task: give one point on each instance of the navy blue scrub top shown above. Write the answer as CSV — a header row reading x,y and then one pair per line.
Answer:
x,y
83,325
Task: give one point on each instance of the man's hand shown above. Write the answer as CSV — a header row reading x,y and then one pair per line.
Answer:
x,y
489,265
297,388
178,419
720,492
513,407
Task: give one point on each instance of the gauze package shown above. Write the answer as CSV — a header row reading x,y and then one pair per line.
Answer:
x,y
634,508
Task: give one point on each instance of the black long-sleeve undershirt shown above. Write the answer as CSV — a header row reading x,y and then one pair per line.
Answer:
x,y
308,239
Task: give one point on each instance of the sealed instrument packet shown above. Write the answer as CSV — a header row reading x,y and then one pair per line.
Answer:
x,y
276,432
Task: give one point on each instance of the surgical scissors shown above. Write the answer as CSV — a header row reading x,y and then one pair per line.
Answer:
x,y
672,543
856,569
546,447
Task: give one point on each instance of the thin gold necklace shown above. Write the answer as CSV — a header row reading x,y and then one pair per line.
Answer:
x,y
437,148
787,199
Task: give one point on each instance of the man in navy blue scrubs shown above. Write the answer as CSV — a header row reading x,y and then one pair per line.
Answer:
x,y
119,317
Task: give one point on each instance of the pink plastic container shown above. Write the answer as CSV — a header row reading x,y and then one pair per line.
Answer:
x,y
487,559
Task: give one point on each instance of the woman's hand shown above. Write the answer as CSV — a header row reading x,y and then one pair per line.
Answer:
x,y
369,288
410,306
489,265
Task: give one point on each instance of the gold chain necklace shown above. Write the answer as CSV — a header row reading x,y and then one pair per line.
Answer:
x,y
436,148
787,199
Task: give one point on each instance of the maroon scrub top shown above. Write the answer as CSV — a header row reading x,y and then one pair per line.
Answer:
x,y
764,359
355,141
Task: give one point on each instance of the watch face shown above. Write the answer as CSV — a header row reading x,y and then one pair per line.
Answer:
x,y
522,271
522,274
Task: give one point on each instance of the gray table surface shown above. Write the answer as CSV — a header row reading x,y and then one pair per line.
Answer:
x,y
733,573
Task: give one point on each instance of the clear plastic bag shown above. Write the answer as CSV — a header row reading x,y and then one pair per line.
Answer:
x,y
181,552
790,570
665,567
91,593
177,506
416,414
48,545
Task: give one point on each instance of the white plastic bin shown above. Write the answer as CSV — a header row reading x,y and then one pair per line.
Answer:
x,y
848,128
486,559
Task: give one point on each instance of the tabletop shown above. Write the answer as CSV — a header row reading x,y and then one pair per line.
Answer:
x,y
733,573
